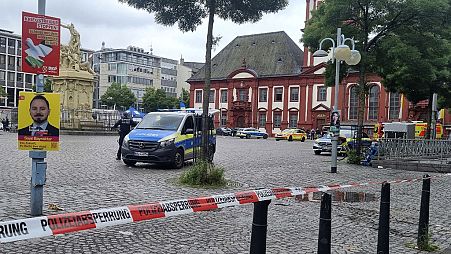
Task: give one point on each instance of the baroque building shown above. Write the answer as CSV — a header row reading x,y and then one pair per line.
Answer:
x,y
266,81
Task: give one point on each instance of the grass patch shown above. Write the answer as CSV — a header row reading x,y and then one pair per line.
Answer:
x,y
203,174
425,246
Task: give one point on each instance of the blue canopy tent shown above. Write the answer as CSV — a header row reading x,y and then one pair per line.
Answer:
x,y
135,114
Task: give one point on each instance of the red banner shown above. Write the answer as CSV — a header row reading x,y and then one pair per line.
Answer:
x,y
40,44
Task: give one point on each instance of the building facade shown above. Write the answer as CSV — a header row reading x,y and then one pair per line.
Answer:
x,y
261,81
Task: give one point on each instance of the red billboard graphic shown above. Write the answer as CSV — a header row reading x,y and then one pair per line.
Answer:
x,y
40,44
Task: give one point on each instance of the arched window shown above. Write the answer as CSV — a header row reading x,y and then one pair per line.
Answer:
x,y
373,103
353,103
395,105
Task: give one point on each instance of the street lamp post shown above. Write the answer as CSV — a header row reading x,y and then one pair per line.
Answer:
x,y
340,52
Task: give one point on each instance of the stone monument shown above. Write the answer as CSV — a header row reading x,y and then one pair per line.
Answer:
x,y
75,84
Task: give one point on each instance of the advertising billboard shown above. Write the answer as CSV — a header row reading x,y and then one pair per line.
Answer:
x,y
38,121
40,44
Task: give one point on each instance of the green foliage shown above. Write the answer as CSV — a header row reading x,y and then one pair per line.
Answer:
x,y
416,60
119,95
189,14
48,83
154,99
184,97
3,92
353,157
203,173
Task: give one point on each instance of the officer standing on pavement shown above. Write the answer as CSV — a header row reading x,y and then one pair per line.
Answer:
x,y
126,124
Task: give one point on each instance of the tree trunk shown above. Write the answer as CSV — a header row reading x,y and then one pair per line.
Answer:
x,y
206,93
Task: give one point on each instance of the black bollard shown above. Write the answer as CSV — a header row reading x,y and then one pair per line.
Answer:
x,y
383,238
259,226
423,225
325,224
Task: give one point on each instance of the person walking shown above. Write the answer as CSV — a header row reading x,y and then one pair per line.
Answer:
x,y
126,123
6,124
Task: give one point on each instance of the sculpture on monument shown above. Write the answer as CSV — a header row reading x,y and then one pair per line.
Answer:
x,y
75,83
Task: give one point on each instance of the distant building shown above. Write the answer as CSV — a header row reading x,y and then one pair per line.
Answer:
x,y
184,71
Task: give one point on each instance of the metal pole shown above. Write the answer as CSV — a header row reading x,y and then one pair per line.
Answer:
x,y
423,225
259,227
325,225
333,167
38,165
383,239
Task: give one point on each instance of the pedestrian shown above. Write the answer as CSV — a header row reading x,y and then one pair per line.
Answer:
x,y
126,124
312,134
6,125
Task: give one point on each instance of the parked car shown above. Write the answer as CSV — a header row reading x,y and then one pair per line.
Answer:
x,y
346,141
291,134
251,133
224,131
324,145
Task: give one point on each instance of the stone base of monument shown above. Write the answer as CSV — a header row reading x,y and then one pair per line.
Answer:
x,y
85,127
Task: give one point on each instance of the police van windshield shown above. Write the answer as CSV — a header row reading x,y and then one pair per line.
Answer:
x,y
160,122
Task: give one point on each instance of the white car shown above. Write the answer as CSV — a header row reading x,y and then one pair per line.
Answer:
x,y
251,133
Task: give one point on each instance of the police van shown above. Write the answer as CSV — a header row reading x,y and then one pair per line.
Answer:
x,y
168,137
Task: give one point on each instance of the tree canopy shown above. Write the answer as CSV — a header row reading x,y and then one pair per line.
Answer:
x,y
189,14
154,99
416,60
119,95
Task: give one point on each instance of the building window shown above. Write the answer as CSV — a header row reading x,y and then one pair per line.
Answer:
x,y
11,46
211,96
278,94
199,96
224,118
263,95
3,59
353,103
11,78
277,119
223,96
111,78
242,95
322,93
112,67
395,105
373,103
262,119
2,44
294,94
293,119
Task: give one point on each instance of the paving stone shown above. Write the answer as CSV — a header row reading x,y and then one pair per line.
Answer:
x,y
84,175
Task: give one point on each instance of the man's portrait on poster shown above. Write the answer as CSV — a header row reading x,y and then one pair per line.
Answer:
x,y
39,112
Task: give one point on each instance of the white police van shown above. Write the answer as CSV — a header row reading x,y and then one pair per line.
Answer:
x,y
168,137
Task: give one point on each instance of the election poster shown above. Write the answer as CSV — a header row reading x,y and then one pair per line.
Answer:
x,y
38,121
40,44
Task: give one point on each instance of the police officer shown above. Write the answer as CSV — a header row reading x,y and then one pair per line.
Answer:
x,y
126,124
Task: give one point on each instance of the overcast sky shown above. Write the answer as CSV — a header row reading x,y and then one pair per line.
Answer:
x,y
119,26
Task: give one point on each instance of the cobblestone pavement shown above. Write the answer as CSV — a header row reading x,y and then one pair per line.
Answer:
x,y
84,175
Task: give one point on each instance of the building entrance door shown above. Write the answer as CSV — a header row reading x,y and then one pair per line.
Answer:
x,y
240,122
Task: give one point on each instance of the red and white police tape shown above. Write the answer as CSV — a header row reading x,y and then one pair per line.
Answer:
x,y
71,222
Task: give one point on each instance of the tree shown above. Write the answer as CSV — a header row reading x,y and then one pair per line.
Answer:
x,y
369,22
2,92
119,95
189,14
416,59
184,97
154,99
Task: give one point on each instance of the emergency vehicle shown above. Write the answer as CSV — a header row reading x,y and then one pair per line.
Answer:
x,y
170,137
420,130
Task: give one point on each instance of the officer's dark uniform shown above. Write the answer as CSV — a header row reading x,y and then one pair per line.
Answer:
x,y
126,124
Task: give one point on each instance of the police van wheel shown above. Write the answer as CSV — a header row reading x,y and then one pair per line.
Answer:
x,y
266,136
248,136
129,163
290,138
178,159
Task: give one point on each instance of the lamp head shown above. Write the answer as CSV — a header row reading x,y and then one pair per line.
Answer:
x,y
320,53
355,58
342,52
